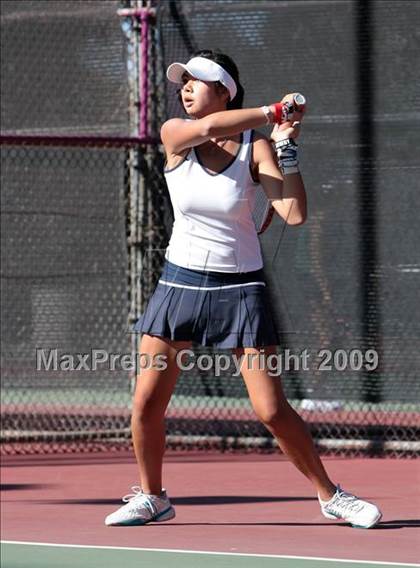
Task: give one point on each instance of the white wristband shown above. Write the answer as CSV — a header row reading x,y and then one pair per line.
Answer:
x,y
268,114
287,156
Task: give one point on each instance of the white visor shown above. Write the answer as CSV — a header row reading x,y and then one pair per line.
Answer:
x,y
204,69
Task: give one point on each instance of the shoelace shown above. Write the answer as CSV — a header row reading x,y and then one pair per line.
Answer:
x,y
136,491
346,501
141,499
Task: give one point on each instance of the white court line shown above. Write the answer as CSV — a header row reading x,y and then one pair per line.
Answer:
x,y
209,553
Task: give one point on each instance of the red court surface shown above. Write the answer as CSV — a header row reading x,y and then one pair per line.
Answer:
x,y
242,504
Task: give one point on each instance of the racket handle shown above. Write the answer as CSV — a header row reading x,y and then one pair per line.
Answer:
x,y
284,110
299,102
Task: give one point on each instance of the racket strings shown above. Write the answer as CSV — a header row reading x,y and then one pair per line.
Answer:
x,y
262,210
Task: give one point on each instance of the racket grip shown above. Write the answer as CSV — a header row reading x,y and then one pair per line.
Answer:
x,y
299,102
284,110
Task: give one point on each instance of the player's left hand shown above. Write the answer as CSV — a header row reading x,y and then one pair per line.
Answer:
x,y
285,130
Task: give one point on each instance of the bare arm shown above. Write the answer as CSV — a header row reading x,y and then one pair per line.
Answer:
x,y
287,194
178,134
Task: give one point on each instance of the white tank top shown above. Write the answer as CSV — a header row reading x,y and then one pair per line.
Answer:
x,y
213,227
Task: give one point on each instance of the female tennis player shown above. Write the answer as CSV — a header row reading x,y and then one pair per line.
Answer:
x,y
212,287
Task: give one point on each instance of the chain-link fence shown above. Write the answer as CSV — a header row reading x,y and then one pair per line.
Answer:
x,y
70,181
85,228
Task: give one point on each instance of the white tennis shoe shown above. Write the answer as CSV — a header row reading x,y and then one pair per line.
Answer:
x,y
142,508
361,514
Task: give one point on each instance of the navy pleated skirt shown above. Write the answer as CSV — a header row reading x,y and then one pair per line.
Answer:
x,y
218,309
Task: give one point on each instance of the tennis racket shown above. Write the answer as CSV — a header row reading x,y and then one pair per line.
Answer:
x,y
263,210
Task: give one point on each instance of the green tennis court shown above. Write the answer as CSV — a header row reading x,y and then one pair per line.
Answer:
x,y
16,555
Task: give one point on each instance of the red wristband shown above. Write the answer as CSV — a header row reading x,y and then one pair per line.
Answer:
x,y
278,112
282,111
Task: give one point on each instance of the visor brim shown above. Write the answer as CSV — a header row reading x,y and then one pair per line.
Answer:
x,y
203,69
175,71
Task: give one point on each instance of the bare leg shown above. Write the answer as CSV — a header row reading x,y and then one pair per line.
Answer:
x,y
154,389
290,431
